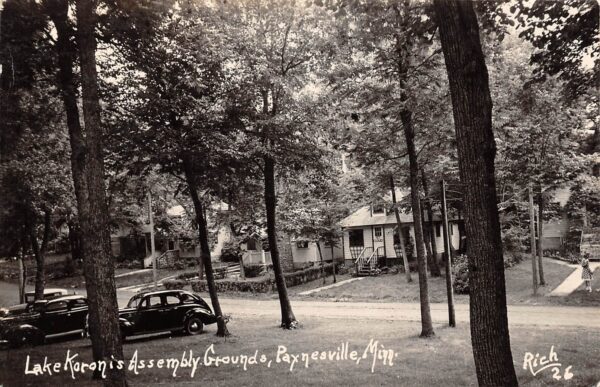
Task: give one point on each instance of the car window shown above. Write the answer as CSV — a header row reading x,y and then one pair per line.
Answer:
x,y
79,302
49,296
172,300
187,299
54,306
154,301
29,298
133,303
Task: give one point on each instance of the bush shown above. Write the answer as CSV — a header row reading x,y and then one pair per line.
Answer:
x,y
255,270
460,272
187,275
175,284
263,285
266,283
231,252
511,259
514,239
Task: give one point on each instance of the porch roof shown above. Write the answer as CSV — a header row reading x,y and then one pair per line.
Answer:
x,y
362,217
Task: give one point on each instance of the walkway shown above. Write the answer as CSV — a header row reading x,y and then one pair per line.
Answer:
x,y
335,285
572,282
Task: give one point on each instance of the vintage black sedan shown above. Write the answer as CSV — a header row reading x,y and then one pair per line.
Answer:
x,y
167,310
44,319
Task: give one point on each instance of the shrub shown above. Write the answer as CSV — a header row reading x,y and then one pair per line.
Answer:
x,y
341,268
173,284
511,259
460,272
262,285
255,270
231,252
514,238
265,284
187,275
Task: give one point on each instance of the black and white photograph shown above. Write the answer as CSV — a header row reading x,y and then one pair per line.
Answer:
x,y
300,193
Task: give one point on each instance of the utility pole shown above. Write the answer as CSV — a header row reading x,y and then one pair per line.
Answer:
x,y
448,250
400,236
152,246
532,237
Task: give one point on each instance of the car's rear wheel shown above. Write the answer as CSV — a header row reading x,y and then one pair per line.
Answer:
x,y
194,326
26,339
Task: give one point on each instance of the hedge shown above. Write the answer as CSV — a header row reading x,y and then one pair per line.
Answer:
x,y
265,284
460,270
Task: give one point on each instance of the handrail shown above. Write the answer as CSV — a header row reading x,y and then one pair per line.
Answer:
x,y
361,254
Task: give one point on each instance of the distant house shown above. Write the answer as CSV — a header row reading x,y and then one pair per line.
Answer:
x,y
374,228
303,252
555,230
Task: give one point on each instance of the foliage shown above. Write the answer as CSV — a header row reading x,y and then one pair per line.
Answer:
x,y
253,270
460,274
565,35
231,252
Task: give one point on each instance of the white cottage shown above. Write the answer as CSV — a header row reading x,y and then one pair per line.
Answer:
x,y
375,229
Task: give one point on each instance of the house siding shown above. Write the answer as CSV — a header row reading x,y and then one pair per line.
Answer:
x,y
346,242
302,256
389,241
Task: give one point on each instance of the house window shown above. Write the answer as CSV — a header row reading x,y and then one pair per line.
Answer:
x,y
378,232
355,237
378,209
302,244
438,231
251,244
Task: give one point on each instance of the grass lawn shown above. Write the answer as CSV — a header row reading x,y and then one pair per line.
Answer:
x,y
444,360
394,288
582,297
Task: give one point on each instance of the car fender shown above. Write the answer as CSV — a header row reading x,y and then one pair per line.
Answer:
x,y
206,316
125,325
16,334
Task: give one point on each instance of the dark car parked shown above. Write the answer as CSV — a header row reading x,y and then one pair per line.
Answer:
x,y
168,310
49,294
45,319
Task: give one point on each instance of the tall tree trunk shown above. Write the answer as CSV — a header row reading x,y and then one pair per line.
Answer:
x,y
427,240
400,236
39,252
472,109
540,250
241,260
75,244
322,264
22,272
88,176
435,268
222,330
333,261
288,320
409,134
40,273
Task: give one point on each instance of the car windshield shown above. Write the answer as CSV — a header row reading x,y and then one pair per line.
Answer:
x,y
39,306
133,303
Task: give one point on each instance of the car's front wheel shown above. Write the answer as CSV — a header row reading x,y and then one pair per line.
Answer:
x,y
26,338
194,326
